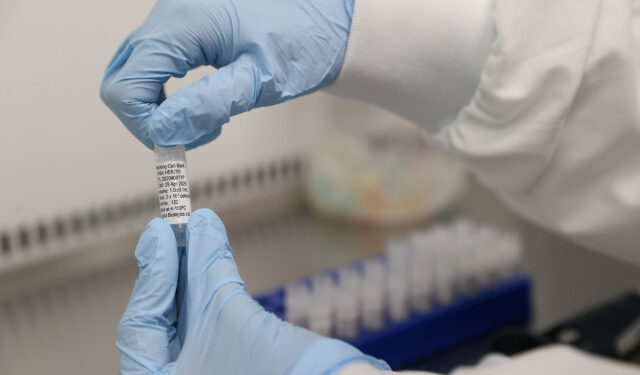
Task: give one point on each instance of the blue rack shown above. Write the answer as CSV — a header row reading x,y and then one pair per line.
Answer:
x,y
504,304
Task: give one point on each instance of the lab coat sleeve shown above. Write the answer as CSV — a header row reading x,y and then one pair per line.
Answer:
x,y
418,58
557,359
545,114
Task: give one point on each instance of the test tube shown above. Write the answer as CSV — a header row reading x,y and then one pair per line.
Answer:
x,y
510,246
421,271
322,306
486,238
460,246
173,189
296,304
372,297
346,303
397,252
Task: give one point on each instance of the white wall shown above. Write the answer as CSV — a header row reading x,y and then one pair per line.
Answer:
x,y
62,150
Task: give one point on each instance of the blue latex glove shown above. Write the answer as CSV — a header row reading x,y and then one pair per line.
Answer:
x,y
225,330
267,51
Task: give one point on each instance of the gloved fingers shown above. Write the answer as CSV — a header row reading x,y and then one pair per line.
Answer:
x,y
195,114
133,84
207,242
146,333
210,263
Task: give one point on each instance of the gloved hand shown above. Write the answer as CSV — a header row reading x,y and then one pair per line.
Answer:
x,y
224,330
267,51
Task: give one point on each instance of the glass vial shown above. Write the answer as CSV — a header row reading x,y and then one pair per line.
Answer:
x,y
173,189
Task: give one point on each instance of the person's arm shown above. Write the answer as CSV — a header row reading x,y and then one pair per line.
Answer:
x,y
546,116
553,125
419,58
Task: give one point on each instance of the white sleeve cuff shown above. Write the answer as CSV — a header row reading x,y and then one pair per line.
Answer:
x,y
421,59
367,369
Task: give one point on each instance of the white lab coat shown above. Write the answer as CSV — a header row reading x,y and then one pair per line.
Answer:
x,y
539,98
553,360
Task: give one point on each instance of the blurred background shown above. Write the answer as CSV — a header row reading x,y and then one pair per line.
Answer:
x,y
306,187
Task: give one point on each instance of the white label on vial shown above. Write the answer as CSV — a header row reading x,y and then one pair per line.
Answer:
x,y
173,191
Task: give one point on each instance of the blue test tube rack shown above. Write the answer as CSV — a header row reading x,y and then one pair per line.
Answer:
x,y
502,304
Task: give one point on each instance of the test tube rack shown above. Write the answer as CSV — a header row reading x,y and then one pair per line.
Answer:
x,y
414,323
444,326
